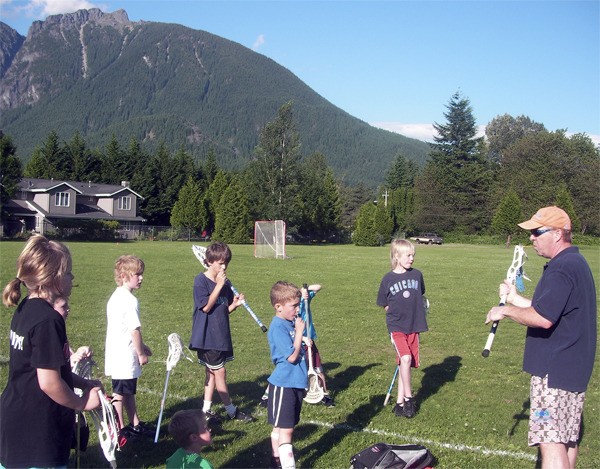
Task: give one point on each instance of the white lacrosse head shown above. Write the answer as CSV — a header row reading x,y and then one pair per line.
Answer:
x,y
84,367
519,258
200,253
176,351
108,432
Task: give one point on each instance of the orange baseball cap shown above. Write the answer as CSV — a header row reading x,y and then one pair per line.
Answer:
x,y
553,217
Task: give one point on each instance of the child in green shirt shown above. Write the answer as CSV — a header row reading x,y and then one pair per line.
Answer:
x,y
188,429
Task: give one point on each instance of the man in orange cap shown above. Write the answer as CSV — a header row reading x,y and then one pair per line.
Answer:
x,y
561,337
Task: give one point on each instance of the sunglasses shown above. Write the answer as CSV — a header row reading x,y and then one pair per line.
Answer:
x,y
540,231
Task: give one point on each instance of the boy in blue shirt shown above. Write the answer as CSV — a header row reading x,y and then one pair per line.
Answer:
x,y
289,380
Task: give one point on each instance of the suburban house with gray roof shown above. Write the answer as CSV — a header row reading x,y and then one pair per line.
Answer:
x,y
40,203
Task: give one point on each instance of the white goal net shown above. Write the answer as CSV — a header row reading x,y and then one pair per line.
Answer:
x,y
269,239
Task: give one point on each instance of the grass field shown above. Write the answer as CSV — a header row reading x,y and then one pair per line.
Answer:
x,y
472,412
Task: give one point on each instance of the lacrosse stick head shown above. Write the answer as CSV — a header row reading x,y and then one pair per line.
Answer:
x,y
200,253
516,268
315,392
84,367
175,350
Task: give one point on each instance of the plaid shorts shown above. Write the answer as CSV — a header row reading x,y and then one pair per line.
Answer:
x,y
555,414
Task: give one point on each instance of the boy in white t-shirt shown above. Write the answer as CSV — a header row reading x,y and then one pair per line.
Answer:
x,y
126,352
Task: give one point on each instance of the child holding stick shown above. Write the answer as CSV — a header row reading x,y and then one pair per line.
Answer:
x,y
401,295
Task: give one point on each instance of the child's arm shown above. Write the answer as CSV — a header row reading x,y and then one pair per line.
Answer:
x,y
220,280
314,287
142,350
52,384
238,301
299,327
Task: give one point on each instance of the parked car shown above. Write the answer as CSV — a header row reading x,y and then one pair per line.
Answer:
x,y
428,238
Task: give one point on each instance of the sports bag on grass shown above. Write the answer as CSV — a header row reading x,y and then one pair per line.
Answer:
x,y
384,456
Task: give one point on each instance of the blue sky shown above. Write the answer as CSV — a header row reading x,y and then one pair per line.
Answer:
x,y
395,63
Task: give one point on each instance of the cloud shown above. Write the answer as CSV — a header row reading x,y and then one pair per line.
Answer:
x,y
425,132
43,8
260,40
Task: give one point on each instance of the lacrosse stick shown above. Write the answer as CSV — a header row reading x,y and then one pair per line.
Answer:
x,y
315,393
176,350
105,422
200,253
389,393
513,275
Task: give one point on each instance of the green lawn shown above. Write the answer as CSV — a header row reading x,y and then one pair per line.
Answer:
x,y
472,411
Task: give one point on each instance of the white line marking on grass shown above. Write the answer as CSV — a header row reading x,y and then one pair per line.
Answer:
x,y
412,439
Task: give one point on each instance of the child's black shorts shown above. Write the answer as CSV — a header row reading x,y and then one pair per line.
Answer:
x,y
284,406
214,359
124,387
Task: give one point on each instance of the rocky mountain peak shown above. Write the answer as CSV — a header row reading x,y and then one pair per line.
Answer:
x,y
117,19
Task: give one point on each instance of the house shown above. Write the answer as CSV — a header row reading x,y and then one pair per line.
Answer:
x,y
39,203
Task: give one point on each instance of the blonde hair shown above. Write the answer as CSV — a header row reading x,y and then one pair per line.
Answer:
x,y
185,423
283,292
399,247
42,267
128,265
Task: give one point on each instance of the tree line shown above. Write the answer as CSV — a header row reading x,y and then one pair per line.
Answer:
x,y
469,185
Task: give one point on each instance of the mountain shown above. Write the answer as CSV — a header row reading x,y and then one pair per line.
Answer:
x,y
102,75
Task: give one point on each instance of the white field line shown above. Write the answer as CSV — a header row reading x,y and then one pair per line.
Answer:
x,y
411,439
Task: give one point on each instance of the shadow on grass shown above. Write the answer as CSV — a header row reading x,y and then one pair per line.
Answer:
x,y
359,418
436,376
523,415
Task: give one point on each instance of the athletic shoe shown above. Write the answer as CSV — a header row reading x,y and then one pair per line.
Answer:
x,y
124,436
264,401
241,416
398,410
275,463
328,401
212,419
410,408
142,429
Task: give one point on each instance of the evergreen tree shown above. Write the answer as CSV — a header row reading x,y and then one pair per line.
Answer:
x,y
274,173
113,162
10,171
190,211
86,165
565,201
461,177
233,223
401,174
365,233
210,166
318,199
213,196
47,161
508,215
352,199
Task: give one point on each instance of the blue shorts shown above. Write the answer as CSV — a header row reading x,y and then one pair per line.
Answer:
x,y
284,406
124,387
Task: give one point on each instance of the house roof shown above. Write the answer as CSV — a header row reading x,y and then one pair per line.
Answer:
x,y
84,188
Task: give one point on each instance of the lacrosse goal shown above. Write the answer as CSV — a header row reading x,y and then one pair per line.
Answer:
x,y
269,239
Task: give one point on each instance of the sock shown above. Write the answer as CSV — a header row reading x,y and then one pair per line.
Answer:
x,y
286,456
230,410
206,406
265,394
406,399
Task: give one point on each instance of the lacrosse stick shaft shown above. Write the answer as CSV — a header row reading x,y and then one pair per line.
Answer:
x,y
389,393
248,308
162,406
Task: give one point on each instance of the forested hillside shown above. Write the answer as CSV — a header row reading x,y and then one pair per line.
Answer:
x,y
102,75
